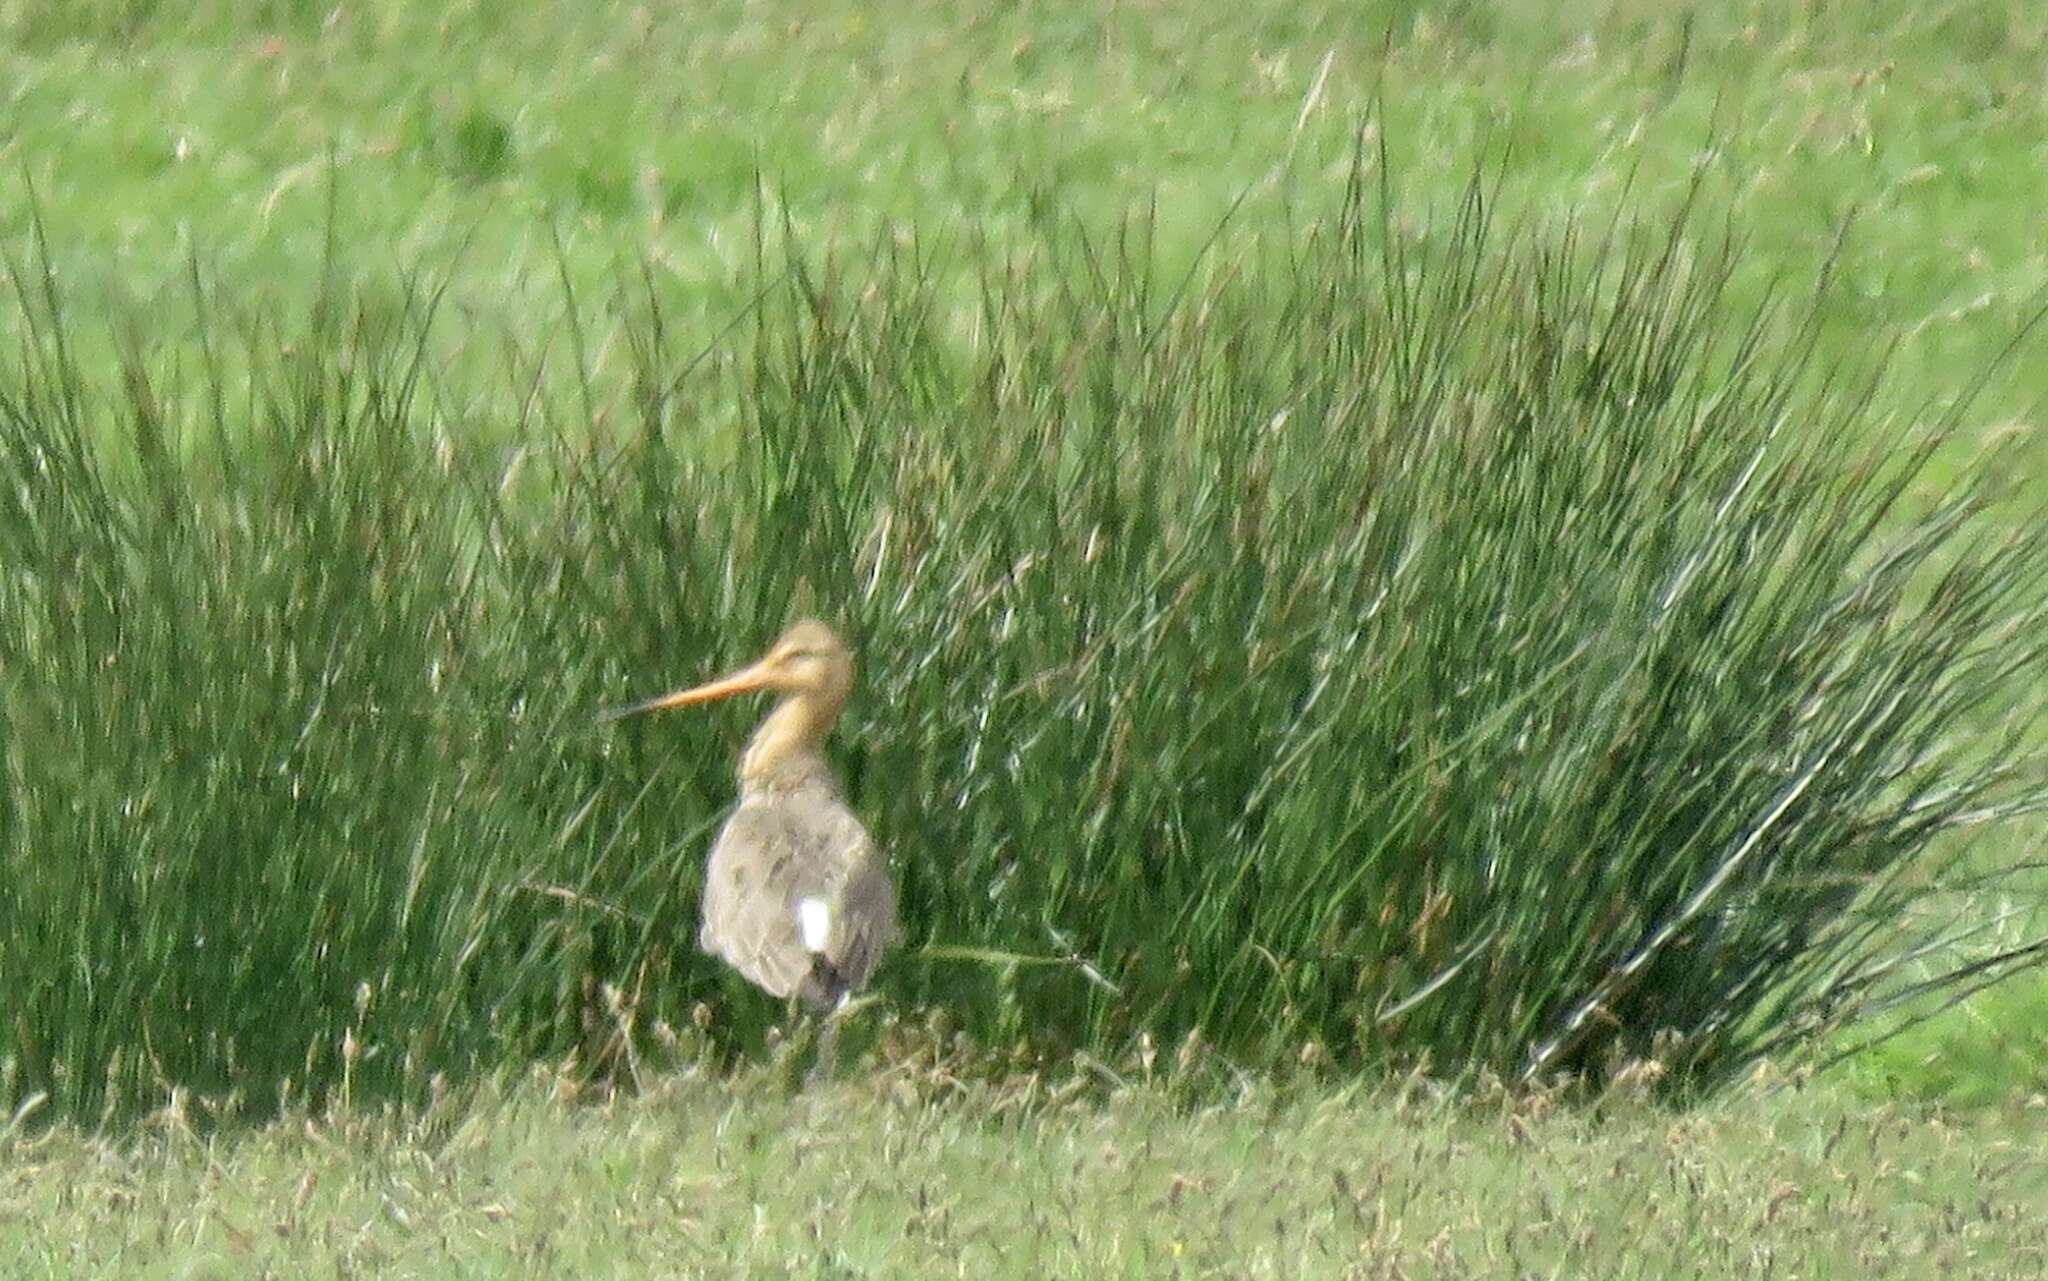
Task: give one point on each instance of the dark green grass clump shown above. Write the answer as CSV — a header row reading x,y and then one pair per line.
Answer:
x,y
1381,646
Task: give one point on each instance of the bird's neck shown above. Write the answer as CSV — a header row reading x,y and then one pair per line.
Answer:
x,y
787,753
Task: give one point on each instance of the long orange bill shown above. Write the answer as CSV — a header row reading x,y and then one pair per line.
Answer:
x,y
744,681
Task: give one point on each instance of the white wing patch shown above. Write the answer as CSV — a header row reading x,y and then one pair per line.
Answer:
x,y
814,923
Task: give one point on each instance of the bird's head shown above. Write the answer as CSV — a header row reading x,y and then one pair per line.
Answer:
x,y
808,661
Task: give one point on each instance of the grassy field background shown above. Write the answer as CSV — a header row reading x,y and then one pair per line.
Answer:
x,y
899,1175
269,151
153,134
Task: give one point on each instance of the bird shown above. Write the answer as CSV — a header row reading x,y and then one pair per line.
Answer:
x,y
797,896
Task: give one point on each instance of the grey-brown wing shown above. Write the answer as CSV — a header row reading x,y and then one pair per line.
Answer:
x,y
866,912
773,855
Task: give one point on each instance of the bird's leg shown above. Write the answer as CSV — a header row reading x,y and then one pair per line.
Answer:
x,y
789,1039
822,1065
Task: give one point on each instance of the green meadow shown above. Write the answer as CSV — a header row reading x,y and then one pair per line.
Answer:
x,y
896,1175
1452,602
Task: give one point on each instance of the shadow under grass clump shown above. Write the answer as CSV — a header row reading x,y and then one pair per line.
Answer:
x,y
1488,649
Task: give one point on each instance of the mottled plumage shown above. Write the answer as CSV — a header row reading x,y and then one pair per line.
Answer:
x,y
775,853
796,896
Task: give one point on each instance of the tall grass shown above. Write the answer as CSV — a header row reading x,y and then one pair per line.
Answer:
x,y
1456,644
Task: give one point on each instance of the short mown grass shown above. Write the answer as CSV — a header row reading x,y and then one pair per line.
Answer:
x,y
900,1175
1488,648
